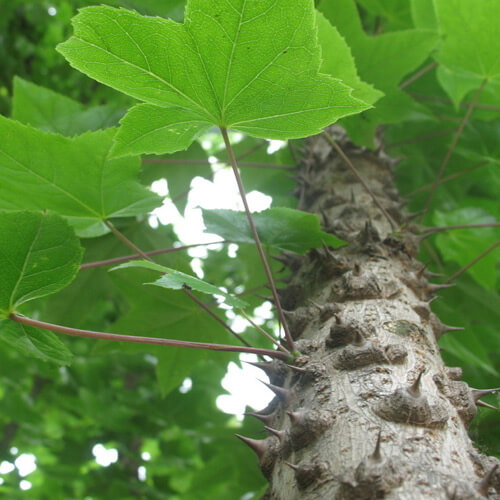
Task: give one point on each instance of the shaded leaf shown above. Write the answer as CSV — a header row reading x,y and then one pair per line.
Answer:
x,y
34,342
52,112
71,176
282,228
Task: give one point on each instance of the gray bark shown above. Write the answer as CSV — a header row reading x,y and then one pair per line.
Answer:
x,y
374,413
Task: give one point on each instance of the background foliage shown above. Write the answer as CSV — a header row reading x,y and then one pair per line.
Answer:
x,y
127,397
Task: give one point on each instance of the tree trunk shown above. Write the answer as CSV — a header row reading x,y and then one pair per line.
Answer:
x,y
371,411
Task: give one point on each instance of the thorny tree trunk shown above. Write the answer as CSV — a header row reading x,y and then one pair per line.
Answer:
x,y
375,413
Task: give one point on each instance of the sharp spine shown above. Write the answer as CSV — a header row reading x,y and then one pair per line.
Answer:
x,y
259,446
281,393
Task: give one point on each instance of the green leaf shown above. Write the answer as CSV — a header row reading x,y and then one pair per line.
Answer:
x,y
383,61
423,14
252,67
71,176
34,342
176,280
463,245
39,255
457,83
52,112
282,228
337,58
470,31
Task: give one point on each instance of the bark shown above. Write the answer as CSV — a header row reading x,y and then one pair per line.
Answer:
x,y
371,411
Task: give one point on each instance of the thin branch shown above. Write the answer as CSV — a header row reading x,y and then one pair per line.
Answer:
x,y
419,138
487,107
203,162
418,74
438,229
291,148
360,178
258,243
453,144
131,245
126,258
472,262
144,340
447,178
126,241
252,150
215,316
263,332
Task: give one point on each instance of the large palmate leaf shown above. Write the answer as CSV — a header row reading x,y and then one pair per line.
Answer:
x,y
383,61
47,110
282,228
177,280
250,66
470,30
39,255
71,176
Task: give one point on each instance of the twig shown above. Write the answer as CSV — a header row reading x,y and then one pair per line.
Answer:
x,y
447,178
263,332
472,262
131,245
126,241
202,162
252,150
418,74
360,179
487,107
438,229
419,138
453,144
256,238
126,258
144,340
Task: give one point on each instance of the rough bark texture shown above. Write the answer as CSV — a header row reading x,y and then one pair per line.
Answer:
x,y
373,411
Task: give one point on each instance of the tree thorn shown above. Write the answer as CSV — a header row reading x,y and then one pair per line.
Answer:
x,y
268,367
479,393
259,446
484,485
279,434
434,288
292,466
266,419
376,456
358,339
282,394
486,405
414,389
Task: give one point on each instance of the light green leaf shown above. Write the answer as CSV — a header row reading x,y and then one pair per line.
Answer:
x,y
457,83
71,176
147,128
34,342
337,58
463,245
52,112
383,61
470,31
176,280
282,228
39,255
249,66
423,14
